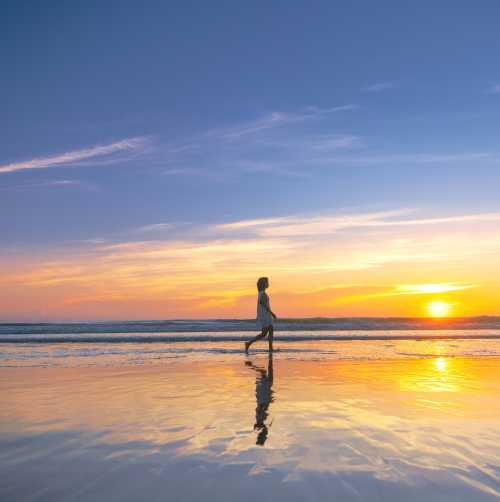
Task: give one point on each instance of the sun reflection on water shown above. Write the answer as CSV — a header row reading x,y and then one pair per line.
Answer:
x,y
441,363
440,374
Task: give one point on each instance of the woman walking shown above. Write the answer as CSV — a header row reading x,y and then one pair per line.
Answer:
x,y
265,316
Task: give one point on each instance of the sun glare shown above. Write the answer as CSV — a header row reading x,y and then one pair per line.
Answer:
x,y
439,309
440,363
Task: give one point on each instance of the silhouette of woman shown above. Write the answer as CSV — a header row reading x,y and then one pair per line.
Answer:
x,y
264,397
265,315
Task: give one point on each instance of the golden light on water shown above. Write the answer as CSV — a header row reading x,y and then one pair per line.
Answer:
x,y
440,363
439,309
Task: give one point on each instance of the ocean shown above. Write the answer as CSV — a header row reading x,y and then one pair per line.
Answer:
x,y
143,342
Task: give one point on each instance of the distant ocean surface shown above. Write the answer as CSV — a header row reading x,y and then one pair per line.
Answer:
x,y
245,325
141,342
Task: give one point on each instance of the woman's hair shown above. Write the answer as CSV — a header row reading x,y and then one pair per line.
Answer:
x,y
261,283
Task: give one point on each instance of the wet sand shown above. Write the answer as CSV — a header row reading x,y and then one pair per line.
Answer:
x,y
246,428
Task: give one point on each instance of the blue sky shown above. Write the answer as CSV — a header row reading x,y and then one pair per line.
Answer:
x,y
122,120
420,81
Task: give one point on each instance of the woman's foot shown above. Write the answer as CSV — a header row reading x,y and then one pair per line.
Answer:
x,y
247,344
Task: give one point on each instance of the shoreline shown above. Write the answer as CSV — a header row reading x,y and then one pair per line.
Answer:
x,y
125,350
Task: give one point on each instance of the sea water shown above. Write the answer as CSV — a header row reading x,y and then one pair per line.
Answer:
x,y
145,342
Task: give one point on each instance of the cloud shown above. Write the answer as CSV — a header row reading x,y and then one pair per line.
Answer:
x,y
187,171
410,158
322,225
311,225
495,89
312,144
209,268
41,184
157,227
97,240
270,168
426,289
296,144
275,119
335,142
379,86
280,143
75,156
251,223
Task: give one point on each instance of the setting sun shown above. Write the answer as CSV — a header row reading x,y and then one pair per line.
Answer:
x,y
439,309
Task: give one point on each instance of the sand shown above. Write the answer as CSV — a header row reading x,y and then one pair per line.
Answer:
x,y
423,429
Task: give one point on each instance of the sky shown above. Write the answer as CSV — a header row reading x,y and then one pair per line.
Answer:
x,y
156,158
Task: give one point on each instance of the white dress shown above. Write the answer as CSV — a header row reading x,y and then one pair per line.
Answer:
x,y
264,317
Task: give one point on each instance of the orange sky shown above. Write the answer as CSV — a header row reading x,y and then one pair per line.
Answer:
x,y
377,264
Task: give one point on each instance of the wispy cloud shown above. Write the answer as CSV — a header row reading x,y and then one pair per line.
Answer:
x,y
237,225
270,168
97,240
156,227
187,171
41,184
279,143
379,86
213,273
336,142
75,156
275,119
313,144
410,158
324,225
296,227
312,225
426,289
295,144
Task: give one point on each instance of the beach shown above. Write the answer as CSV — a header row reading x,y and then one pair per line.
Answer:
x,y
248,252
220,425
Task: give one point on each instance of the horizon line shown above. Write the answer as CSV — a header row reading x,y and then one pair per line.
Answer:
x,y
441,320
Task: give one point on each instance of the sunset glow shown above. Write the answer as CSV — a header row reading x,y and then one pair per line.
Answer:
x,y
143,200
439,309
214,275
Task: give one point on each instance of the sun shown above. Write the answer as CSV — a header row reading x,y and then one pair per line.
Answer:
x,y
439,309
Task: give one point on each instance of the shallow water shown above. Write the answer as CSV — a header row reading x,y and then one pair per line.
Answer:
x,y
187,429
32,348
387,345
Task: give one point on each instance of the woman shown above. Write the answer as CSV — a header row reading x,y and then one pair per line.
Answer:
x,y
265,316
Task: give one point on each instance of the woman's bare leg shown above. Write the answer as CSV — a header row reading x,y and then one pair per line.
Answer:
x,y
270,338
263,333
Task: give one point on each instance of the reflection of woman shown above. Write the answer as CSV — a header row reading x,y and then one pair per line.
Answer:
x,y
264,397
